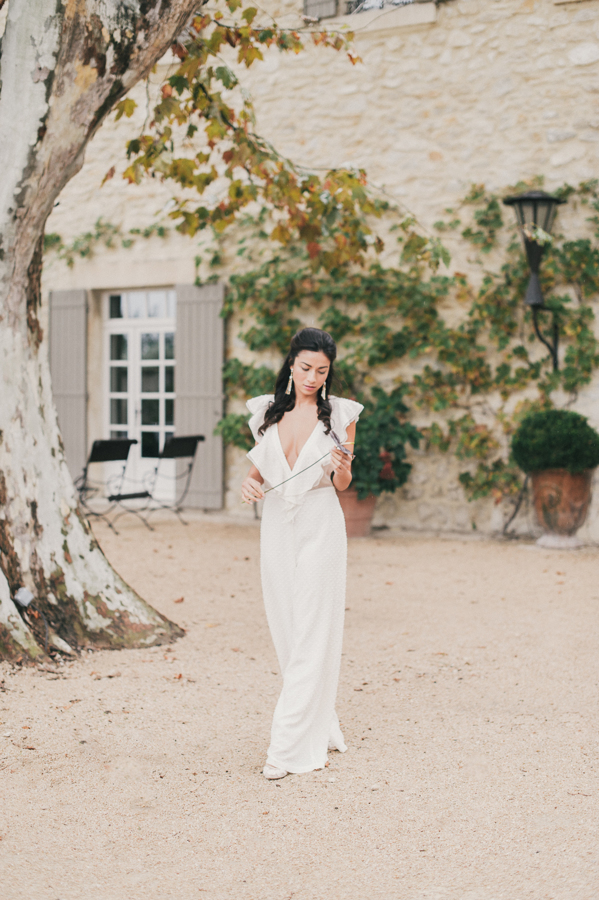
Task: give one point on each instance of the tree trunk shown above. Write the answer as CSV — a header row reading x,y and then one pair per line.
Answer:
x,y
64,66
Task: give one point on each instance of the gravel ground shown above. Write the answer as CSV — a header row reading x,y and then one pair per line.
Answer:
x,y
468,699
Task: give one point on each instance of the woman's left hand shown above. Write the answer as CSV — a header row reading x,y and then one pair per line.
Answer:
x,y
342,469
341,462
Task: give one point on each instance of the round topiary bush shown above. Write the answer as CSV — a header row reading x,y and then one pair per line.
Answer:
x,y
556,439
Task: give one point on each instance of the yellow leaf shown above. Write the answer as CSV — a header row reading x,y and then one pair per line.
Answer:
x,y
125,107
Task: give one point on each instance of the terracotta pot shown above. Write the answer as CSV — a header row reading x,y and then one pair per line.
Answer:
x,y
358,513
561,500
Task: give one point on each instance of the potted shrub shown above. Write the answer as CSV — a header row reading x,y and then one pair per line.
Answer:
x,y
380,462
559,450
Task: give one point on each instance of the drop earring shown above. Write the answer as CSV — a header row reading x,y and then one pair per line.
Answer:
x,y
289,383
324,391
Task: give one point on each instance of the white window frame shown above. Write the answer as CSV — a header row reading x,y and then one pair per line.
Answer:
x,y
140,468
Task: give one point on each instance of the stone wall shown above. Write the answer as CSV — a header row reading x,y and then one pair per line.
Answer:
x,y
446,95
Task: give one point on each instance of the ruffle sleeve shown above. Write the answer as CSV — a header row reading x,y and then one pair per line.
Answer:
x,y
344,413
258,406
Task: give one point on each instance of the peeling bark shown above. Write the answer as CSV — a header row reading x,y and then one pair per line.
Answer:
x,y
64,64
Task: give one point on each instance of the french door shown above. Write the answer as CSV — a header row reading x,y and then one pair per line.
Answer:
x,y
139,355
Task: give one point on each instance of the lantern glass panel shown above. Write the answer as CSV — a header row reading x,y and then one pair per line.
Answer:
x,y
526,211
519,213
550,213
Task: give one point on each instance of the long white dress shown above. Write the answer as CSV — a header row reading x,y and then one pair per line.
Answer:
x,y
303,558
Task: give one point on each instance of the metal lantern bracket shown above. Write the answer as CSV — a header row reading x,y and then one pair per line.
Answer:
x,y
536,210
552,346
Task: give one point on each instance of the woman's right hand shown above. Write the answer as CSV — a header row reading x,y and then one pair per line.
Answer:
x,y
251,490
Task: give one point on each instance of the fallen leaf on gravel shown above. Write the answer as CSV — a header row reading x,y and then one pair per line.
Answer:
x,y
212,624
180,600
29,748
235,649
180,675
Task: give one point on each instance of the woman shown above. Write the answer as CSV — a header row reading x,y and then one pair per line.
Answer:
x,y
298,462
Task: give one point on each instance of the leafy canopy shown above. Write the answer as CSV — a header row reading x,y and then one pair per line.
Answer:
x,y
202,139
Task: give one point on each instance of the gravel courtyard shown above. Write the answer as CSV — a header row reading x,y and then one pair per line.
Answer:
x,y
468,699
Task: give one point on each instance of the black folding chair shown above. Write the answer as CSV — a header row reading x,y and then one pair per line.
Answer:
x,y
174,448
118,450
113,450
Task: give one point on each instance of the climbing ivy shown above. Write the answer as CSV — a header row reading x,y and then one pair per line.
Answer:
x,y
473,380
103,234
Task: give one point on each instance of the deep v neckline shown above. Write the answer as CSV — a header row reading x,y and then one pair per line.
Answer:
x,y
312,433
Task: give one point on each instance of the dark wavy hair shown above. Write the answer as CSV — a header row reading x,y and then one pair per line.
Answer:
x,y
307,339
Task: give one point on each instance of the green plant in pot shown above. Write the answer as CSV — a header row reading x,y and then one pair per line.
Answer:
x,y
559,450
380,456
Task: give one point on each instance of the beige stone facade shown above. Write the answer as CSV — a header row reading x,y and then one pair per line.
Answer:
x,y
447,94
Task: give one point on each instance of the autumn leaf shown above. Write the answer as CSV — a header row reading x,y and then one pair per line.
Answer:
x,y
109,174
126,108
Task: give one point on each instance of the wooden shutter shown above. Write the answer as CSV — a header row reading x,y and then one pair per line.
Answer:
x,y
199,353
68,367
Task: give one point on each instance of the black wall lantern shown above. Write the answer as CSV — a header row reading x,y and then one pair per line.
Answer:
x,y
535,211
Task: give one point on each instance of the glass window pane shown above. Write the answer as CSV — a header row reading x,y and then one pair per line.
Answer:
x,y
116,307
118,411
149,379
149,443
136,304
118,435
156,304
149,412
169,379
150,346
171,304
169,412
118,379
118,346
169,345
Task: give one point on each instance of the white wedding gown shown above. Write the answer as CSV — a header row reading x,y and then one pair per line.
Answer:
x,y
303,558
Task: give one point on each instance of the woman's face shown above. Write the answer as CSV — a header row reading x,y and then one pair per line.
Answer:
x,y
310,369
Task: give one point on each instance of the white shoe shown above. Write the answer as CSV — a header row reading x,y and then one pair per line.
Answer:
x,y
272,773
332,746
